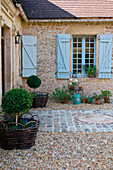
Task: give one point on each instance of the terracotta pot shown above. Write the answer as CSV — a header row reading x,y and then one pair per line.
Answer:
x,y
80,87
64,102
98,101
106,100
90,75
83,100
71,87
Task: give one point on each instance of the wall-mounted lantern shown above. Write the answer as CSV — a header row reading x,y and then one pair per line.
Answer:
x,y
17,38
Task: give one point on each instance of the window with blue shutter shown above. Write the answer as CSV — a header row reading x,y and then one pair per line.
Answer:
x,y
29,55
105,55
63,56
83,54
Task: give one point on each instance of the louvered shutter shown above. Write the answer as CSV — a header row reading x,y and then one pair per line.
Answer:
x,y
105,55
29,55
63,56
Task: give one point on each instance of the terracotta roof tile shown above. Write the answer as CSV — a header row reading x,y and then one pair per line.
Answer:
x,y
41,9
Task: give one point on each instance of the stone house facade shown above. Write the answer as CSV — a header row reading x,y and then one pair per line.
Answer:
x,y
11,18
57,40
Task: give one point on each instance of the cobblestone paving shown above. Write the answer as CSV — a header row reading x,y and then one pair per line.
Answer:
x,y
75,120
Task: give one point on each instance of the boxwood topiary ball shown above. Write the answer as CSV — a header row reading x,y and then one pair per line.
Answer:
x,y
17,101
34,81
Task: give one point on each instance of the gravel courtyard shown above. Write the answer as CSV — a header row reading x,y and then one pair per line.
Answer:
x,y
69,150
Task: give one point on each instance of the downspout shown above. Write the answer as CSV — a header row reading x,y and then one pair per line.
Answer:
x,y
22,13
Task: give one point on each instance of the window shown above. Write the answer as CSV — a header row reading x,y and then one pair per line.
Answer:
x,y
83,54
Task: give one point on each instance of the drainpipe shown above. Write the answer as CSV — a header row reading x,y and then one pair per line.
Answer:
x,y
22,13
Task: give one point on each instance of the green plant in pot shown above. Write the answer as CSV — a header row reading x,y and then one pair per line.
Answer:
x,y
106,95
40,98
89,100
90,71
15,127
61,95
98,98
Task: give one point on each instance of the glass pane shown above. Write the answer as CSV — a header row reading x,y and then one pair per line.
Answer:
x,y
79,50
74,44
87,45
87,65
74,55
87,61
79,39
74,39
87,39
74,72
79,55
79,66
74,60
75,50
91,50
87,50
79,61
86,55
92,39
91,64
91,55
74,66
91,60
79,72
91,44
79,44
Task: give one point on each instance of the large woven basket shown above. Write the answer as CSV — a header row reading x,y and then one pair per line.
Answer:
x,y
40,99
18,138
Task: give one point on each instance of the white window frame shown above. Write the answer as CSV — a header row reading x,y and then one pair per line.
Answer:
x,y
83,54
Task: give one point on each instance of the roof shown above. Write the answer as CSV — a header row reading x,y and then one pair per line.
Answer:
x,y
66,9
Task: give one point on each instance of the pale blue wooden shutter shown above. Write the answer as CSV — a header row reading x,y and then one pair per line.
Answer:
x,y
29,55
105,55
63,56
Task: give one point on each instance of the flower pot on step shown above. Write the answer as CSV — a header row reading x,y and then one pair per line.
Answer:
x,y
107,100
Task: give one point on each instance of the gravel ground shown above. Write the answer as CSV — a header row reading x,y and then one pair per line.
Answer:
x,y
52,105
72,150
64,150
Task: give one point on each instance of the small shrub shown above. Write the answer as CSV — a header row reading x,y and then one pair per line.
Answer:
x,y
33,81
106,93
61,95
89,100
97,97
16,101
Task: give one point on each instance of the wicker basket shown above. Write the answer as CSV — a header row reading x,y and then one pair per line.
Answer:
x,y
40,99
23,138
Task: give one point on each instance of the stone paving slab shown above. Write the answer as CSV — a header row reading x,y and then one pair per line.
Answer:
x,y
75,120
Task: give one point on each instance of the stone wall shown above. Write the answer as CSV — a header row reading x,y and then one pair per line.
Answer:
x,y
46,53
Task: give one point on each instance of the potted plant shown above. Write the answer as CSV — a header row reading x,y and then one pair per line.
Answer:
x,y
106,95
73,85
90,71
40,99
89,100
16,130
83,99
61,95
98,98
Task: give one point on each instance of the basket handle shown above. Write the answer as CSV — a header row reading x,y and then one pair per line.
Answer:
x,y
3,123
29,123
38,92
14,123
36,116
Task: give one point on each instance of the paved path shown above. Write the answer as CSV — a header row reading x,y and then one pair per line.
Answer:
x,y
65,120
